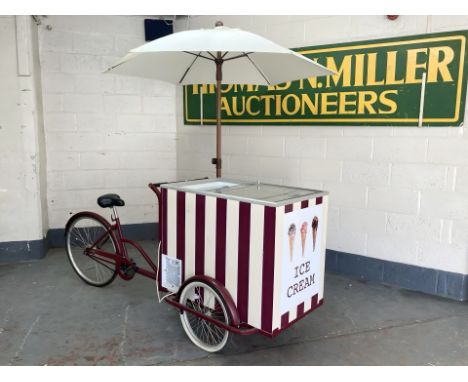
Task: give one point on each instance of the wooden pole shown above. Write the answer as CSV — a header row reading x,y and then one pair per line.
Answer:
x,y
219,78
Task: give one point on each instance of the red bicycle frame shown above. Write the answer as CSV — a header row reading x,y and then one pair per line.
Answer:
x,y
125,266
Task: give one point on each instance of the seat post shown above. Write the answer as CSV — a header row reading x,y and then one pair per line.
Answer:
x,y
115,213
120,236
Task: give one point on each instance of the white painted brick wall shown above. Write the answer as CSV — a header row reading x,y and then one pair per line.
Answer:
x,y
362,220
104,133
320,170
392,199
396,193
406,150
369,173
347,195
420,176
22,191
461,182
448,151
349,148
305,147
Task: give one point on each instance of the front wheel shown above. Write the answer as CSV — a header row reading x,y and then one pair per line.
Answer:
x,y
85,232
201,297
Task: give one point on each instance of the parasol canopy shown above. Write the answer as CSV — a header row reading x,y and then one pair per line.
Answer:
x,y
218,55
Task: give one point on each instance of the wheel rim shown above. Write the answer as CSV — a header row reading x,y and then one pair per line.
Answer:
x,y
81,236
204,299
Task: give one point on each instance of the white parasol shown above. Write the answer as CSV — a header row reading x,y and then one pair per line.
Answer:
x,y
218,55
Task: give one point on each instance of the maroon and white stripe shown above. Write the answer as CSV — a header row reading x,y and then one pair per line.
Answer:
x,y
237,244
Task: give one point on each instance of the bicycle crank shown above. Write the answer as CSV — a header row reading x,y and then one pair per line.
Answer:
x,y
127,271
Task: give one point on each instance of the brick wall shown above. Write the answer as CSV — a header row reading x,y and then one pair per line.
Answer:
x,y
22,161
396,194
104,133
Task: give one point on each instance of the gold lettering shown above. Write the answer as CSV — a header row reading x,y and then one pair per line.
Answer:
x,y
306,101
391,69
365,101
235,108
278,105
326,103
204,89
267,103
297,104
249,105
243,88
412,65
346,101
344,71
435,66
225,106
301,84
311,80
372,70
359,70
284,86
384,100
226,88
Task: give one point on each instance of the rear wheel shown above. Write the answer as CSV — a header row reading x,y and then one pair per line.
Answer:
x,y
85,233
201,297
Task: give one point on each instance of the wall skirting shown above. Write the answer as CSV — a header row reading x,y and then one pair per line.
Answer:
x,y
16,251
432,281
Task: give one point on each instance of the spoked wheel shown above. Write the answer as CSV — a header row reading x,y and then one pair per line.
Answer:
x,y
202,298
85,233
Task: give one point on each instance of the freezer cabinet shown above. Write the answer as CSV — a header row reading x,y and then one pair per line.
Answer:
x,y
265,243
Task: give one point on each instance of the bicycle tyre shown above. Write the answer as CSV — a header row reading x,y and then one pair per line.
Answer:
x,y
82,231
204,334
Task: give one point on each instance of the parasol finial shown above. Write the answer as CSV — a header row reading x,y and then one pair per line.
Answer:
x,y
219,24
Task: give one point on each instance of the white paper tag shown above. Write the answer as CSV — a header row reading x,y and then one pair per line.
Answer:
x,y
171,276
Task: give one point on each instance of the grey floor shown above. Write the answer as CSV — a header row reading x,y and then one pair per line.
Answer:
x,y
50,317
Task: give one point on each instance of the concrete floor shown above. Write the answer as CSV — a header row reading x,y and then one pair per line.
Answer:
x,y
48,316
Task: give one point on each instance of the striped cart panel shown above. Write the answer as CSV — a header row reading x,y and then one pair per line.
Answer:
x,y
238,244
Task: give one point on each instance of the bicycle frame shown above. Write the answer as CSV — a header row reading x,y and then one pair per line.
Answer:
x,y
121,258
123,263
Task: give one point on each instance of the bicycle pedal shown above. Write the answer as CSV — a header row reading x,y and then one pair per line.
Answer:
x,y
129,270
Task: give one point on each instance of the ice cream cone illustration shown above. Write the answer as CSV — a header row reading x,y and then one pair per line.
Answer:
x,y
303,236
314,230
292,236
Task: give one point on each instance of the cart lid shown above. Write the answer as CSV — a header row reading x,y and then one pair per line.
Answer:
x,y
246,191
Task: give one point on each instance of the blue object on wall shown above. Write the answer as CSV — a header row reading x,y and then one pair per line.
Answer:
x,y
157,28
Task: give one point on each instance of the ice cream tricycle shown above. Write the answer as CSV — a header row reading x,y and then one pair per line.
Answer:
x,y
233,256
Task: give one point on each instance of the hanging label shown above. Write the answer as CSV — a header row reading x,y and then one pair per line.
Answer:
x,y
171,273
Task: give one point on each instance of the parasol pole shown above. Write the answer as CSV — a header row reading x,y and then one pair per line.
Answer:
x,y
219,78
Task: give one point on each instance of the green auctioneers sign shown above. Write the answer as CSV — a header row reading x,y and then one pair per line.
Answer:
x,y
377,82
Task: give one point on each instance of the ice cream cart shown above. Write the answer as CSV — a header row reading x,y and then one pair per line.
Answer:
x,y
262,246
234,256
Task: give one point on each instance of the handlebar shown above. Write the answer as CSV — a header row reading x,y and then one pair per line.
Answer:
x,y
151,185
155,187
